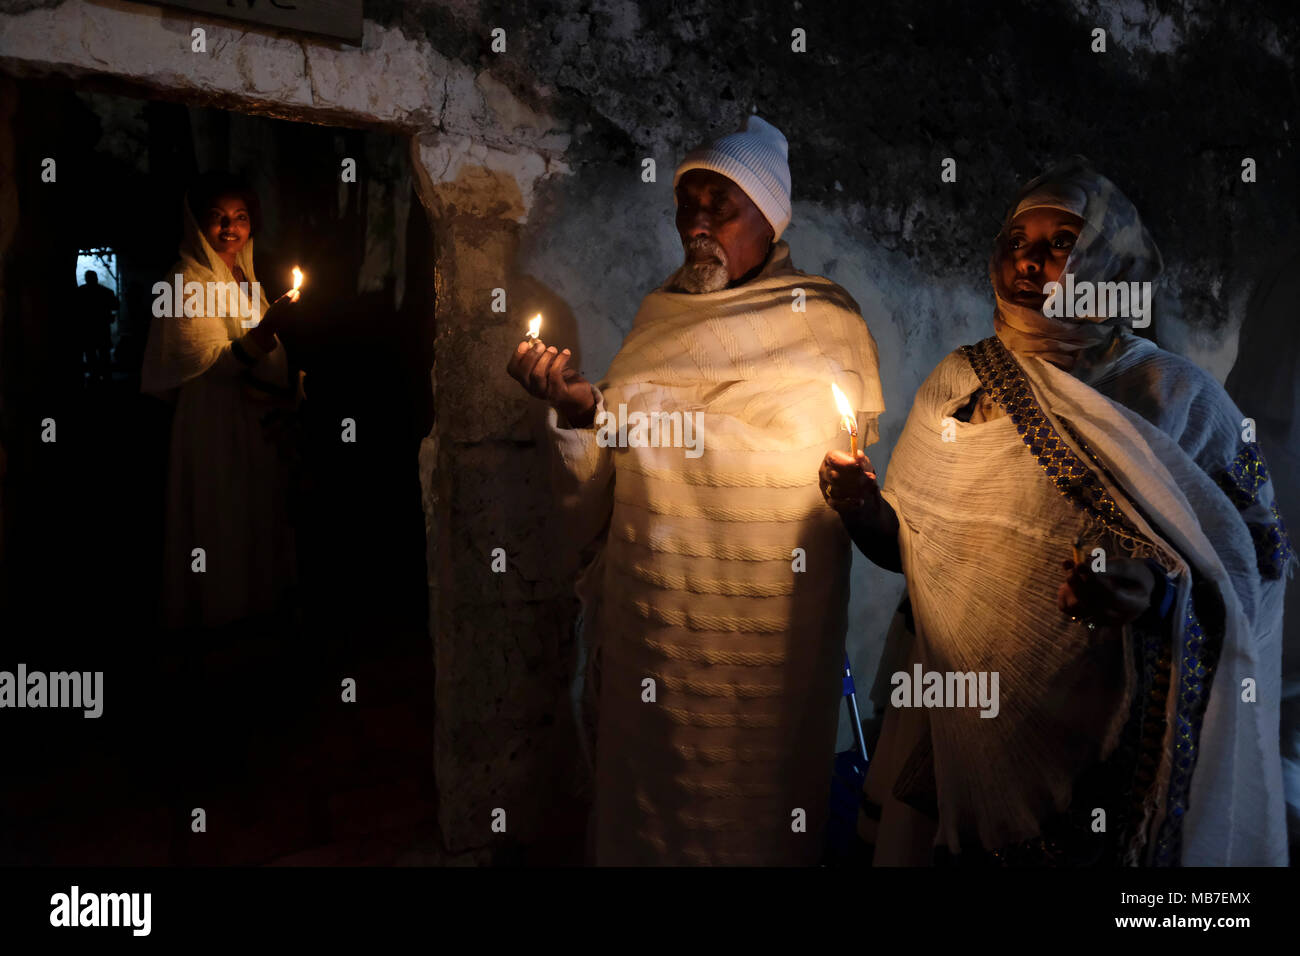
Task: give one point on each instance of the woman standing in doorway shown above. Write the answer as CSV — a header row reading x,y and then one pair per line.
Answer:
x,y
227,481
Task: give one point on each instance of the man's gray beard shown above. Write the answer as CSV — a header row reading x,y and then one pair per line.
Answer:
x,y
706,275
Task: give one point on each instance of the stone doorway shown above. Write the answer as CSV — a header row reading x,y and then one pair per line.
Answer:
x,y
502,645
240,721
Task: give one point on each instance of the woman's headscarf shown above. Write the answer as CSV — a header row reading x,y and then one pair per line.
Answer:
x,y
1113,246
181,347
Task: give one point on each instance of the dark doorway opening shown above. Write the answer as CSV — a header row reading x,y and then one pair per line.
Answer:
x,y
98,305
246,722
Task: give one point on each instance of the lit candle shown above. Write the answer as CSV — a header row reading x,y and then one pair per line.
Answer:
x,y
295,292
847,421
535,326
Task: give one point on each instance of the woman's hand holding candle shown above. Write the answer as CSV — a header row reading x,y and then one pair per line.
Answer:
x,y
264,332
848,483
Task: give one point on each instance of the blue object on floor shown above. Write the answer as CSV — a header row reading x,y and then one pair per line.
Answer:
x,y
849,770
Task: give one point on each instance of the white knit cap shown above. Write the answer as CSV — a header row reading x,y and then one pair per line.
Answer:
x,y
756,160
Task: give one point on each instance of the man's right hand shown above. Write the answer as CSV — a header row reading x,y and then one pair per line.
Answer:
x,y
544,373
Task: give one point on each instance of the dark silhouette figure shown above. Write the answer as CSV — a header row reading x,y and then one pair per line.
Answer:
x,y
95,306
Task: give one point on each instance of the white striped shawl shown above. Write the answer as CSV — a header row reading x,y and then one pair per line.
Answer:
x,y
692,581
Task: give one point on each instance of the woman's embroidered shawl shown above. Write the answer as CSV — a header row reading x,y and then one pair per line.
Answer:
x,y
1154,452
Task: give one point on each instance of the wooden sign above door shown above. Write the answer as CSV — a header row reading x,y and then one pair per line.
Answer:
x,y
331,18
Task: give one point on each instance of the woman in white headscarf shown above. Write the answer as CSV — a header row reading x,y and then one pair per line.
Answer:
x,y
1081,513
222,365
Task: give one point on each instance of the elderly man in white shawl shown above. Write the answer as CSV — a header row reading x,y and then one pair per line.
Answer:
x,y
1088,516
715,594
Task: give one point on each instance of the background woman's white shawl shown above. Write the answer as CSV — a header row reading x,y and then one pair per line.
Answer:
x,y
227,483
180,347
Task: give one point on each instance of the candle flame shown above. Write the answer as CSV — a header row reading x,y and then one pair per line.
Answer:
x,y
535,326
847,420
297,277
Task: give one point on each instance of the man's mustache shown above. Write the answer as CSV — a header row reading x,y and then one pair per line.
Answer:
x,y
698,247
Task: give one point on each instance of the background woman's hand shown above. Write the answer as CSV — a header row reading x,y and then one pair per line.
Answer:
x,y
544,373
848,484
278,309
265,330
1120,594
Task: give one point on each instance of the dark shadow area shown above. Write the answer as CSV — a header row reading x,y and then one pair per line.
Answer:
x,y
246,721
